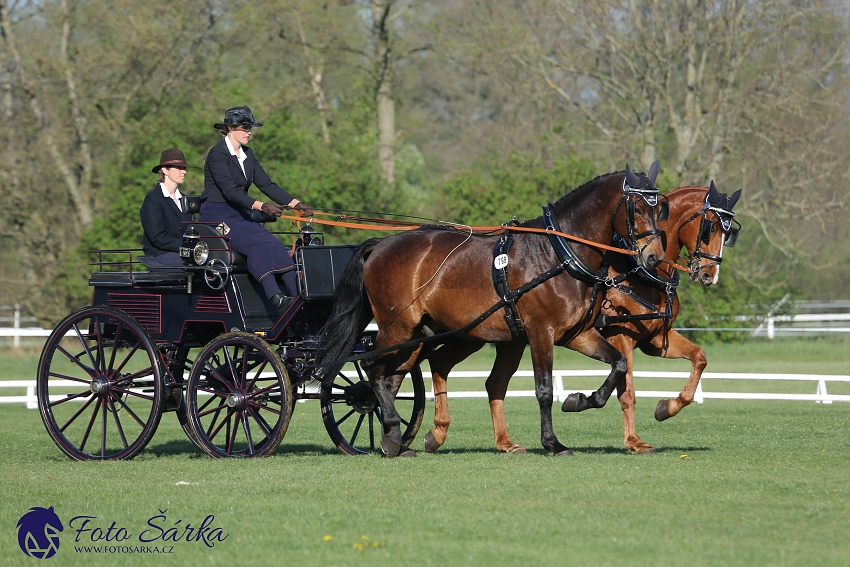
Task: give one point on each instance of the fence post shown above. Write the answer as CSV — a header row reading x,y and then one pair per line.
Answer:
x,y
770,331
17,325
559,388
822,392
698,393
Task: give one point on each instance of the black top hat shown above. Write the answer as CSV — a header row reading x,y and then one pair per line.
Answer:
x,y
238,116
172,157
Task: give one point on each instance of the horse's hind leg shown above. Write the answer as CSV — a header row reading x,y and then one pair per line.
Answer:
x,y
674,345
508,357
626,395
441,362
386,380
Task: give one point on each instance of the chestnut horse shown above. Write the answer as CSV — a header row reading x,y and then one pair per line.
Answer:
x,y
700,219
423,282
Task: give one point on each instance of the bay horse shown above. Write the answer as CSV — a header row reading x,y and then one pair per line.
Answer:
x,y
427,281
700,219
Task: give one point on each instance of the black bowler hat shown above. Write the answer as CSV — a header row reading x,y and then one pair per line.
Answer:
x,y
238,116
172,157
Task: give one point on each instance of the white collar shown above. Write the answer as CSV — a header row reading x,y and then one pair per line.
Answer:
x,y
177,195
242,155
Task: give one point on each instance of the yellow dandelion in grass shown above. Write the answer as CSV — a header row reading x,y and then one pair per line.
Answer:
x,y
364,538
359,546
328,537
683,456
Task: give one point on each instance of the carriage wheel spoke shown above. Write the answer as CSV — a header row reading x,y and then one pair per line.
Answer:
x,y
69,397
88,428
138,374
233,374
264,426
209,411
132,393
225,421
86,347
372,431
88,370
70,378
344,377
129,355
103,429
231,437
247,430
357,428
118,330
77,414
130,411
262,407
219,376
100,355
118,423
343,418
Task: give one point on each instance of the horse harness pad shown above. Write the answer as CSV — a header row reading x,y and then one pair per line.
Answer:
x,y
500,282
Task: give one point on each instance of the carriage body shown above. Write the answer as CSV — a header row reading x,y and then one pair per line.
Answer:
x,y
201,341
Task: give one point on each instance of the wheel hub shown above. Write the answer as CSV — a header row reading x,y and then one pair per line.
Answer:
x,y
237,400
100,386
361,397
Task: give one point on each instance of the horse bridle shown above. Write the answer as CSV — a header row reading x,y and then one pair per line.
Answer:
x,y
726,220
651,198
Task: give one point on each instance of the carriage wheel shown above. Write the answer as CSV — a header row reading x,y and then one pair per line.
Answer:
x,y
100,385
353,417
238,397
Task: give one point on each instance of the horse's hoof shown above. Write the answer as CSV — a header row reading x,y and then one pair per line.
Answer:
x,y
431,444
574,402
515,450
564,453
662,410
391,449
644,450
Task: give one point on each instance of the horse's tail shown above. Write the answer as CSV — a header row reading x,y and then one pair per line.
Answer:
x,y
350,315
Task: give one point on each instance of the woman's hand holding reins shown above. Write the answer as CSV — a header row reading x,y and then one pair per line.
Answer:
x,y
272,209
303,209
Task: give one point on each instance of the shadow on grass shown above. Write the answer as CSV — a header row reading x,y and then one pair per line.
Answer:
x,y
577,450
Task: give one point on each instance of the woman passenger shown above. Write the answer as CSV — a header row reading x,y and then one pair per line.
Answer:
x,y
161,213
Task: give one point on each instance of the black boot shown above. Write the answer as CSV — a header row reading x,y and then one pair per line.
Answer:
x,y
281,303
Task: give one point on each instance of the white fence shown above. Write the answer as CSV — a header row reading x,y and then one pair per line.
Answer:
x,y
818,386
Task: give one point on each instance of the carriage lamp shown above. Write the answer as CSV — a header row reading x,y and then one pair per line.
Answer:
x,y
194,250
309,236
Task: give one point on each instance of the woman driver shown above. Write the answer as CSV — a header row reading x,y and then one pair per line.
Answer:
x,y
229,170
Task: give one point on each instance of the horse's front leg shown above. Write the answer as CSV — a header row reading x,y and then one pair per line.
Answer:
x,y
441,362
508,357
541,359
674,345
591,343
626,395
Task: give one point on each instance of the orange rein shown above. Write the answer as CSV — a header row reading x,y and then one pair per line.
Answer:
x,y
407,225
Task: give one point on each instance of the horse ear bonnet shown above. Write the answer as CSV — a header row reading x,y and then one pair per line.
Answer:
x,y
653,172
631,177
734,199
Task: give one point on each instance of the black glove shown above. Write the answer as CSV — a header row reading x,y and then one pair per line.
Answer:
x,y
304,209
272,209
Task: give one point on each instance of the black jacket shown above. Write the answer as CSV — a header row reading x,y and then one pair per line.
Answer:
x,y
224,181
163,223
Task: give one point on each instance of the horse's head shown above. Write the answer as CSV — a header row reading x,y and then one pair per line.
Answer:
x,y
705,231
641,211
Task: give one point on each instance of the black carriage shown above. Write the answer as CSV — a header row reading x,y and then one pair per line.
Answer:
x,y
202,341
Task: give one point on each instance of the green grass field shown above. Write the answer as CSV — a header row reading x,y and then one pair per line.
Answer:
x,y
733,483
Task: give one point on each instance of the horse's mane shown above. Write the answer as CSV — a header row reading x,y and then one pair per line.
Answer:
x,y
574,195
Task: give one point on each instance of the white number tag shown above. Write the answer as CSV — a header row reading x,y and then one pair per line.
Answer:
x,y
500,261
